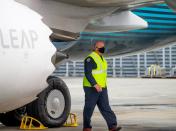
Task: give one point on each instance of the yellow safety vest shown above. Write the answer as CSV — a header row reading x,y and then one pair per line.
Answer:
x,y
100,73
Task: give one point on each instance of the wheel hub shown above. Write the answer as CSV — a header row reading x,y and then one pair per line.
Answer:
x,y
55,103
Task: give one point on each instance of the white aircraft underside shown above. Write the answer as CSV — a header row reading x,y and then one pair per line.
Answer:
x,y
93,17
25,47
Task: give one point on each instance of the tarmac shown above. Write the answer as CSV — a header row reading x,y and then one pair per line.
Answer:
x,y
140,105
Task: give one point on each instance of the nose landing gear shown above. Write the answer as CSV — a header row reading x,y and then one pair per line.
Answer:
x,y
53,104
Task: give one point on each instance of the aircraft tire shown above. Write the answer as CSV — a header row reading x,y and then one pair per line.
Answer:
x,y
53,104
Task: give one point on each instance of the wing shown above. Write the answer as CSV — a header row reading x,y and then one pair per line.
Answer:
x,y
160,33
68,18
127,4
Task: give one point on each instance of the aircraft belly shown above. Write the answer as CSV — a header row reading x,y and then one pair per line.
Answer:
x,y
25,55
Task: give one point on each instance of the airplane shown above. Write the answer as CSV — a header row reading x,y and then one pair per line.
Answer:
x,y
28,57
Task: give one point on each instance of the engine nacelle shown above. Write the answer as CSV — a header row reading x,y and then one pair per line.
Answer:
x,y
25,55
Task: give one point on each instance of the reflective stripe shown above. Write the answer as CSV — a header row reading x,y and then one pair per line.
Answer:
x,y
98,71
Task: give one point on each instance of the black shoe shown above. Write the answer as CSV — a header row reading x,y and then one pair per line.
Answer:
x,y
118,128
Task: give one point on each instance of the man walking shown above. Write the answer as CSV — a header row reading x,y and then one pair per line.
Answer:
x,y
95,88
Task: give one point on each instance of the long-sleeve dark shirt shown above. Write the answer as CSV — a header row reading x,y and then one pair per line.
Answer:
x,y
89,65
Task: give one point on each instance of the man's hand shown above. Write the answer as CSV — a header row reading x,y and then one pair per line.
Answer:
x,y
98,88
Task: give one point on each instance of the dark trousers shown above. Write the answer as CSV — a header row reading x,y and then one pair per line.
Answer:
x,y
93,98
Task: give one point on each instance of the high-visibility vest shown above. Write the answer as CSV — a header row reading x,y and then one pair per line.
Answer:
x,y
100,73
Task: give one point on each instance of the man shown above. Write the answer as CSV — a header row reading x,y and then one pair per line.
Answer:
x,y
95,89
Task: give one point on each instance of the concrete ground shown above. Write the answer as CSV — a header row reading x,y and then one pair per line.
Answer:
x,y
140,104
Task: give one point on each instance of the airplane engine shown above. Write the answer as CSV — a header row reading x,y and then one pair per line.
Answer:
x,y
25,71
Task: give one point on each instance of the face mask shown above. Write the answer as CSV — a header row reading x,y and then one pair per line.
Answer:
x,y
101,50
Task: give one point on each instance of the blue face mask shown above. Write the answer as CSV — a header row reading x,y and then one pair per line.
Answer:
x,y
101,50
